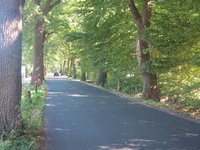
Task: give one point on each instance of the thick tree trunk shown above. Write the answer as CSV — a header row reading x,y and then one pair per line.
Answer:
x,y
10,63
38,67
150,87
102,79
83,76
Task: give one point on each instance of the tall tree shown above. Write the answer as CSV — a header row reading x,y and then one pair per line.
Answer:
x,y
39,39
142,21
10,63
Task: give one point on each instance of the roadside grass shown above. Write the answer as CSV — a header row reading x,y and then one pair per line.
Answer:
x,y
31,112
178,98
179,90
189,107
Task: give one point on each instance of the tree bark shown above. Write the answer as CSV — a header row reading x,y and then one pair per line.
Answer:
x,y
62,68
10,63
38,66
68,67
150,86
39,41
102,79
83,76
74,68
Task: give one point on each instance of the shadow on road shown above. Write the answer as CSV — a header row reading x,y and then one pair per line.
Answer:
x,y
80,117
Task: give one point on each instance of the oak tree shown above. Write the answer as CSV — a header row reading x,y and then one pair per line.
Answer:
x,y
142,21
39,38
10,63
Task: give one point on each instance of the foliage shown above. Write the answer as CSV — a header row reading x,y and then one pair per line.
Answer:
x,y
32,110
106,38
101,33
15,141
173,36
28,35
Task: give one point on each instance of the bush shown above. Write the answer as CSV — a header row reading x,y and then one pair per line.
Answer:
x,y
16,141
127,84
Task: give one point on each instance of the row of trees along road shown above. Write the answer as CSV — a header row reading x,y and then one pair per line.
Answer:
x,y
148,46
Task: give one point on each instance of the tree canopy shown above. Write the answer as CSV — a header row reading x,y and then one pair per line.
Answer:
x,y
83,36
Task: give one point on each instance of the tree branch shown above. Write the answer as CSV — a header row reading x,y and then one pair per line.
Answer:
x,y
134,11
48,34
54,4
45,8
49,6
146,12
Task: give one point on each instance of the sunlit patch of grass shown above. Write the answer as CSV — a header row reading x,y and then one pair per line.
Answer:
x,y
182,89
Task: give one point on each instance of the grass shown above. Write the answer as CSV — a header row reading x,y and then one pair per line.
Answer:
x,y
188,107
179,90
186,102
28,136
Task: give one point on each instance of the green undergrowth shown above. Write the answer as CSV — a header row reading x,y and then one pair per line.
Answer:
x,y
28,136
189,107
179,90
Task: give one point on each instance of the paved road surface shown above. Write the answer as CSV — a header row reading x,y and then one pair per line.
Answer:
x,y
81,117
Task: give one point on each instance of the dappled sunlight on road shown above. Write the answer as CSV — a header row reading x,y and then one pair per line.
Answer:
x,y
69,94
80,117
132,144
77,95
50,105
61,130
110,148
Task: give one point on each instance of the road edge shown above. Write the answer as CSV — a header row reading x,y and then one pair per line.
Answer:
x,y
122,95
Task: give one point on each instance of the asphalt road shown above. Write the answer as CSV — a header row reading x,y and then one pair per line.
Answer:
x,y
81,117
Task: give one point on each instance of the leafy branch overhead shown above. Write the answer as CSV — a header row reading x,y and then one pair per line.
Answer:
x,y
129,39
73,36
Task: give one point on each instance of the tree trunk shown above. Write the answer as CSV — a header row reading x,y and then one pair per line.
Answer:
x,y
83,76
38,67
68,67
62,68
102,79
74,68
150,87
10,63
